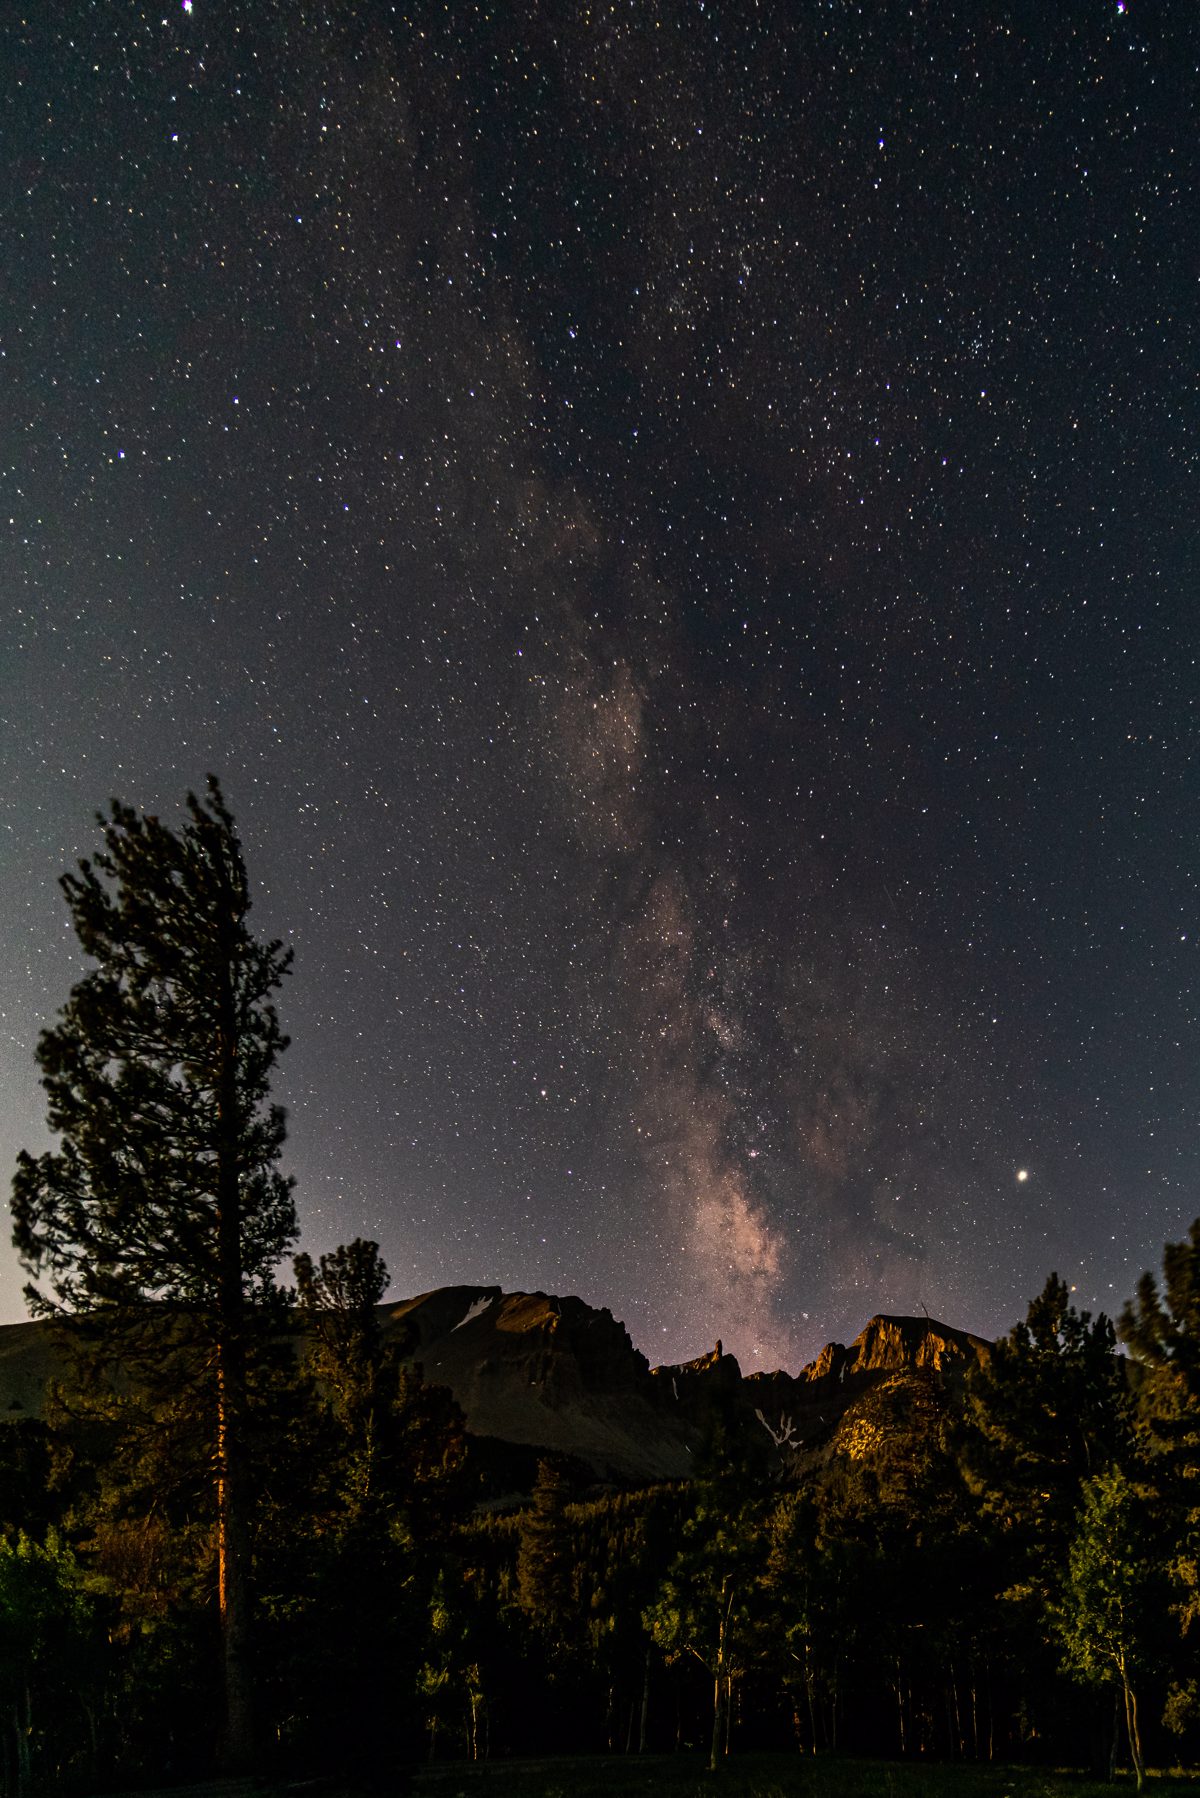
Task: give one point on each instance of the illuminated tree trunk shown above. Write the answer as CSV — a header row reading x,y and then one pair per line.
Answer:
x,y
1134,1734
233,1531
715,1748
721,1678
233,1555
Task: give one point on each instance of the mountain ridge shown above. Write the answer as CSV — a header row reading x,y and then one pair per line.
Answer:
x,y
556,1374
537,1373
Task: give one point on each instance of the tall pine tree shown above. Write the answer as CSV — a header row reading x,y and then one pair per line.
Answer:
x,y
159,1219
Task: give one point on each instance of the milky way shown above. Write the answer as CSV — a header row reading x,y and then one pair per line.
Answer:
x,y
676,527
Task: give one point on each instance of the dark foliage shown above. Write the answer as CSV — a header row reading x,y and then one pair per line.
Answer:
x,y
945,1587
1006,1573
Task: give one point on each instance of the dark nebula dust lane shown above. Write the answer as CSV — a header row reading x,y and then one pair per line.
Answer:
x,y
675,525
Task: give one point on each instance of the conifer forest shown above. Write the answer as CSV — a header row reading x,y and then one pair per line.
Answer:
x,y
245,1533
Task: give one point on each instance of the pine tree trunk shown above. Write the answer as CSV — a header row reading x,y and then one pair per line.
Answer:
x,y
809,1681
900,1709
23,1732
715,1748
233,1533
233,1564
645,1717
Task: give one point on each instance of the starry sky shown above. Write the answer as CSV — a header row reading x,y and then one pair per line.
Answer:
x,y
675,524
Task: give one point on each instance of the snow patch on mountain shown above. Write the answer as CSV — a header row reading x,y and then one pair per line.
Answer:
x,y
784,1436
473,1311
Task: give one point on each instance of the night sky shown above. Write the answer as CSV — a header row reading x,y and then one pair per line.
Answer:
x,y
675,525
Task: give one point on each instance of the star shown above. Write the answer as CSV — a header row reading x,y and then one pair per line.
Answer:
x,y
686,664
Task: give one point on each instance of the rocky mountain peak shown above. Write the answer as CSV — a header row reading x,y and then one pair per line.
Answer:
x,y
716,1362
899,1344
537,1374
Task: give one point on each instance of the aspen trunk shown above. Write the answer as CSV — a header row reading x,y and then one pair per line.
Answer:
x,y
715,1748
1135,1739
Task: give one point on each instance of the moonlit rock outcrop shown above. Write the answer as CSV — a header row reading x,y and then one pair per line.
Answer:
x,y
898,1344
544,1373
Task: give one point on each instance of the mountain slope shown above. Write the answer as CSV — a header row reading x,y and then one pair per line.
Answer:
x,y
555,1375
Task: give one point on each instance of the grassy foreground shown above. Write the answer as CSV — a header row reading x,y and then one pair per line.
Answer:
x,y
771,1776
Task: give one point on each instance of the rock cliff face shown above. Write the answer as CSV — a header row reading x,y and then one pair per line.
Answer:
x,y
824,1408
536,1373
545,1373
897,1345
901,1343
555,1374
